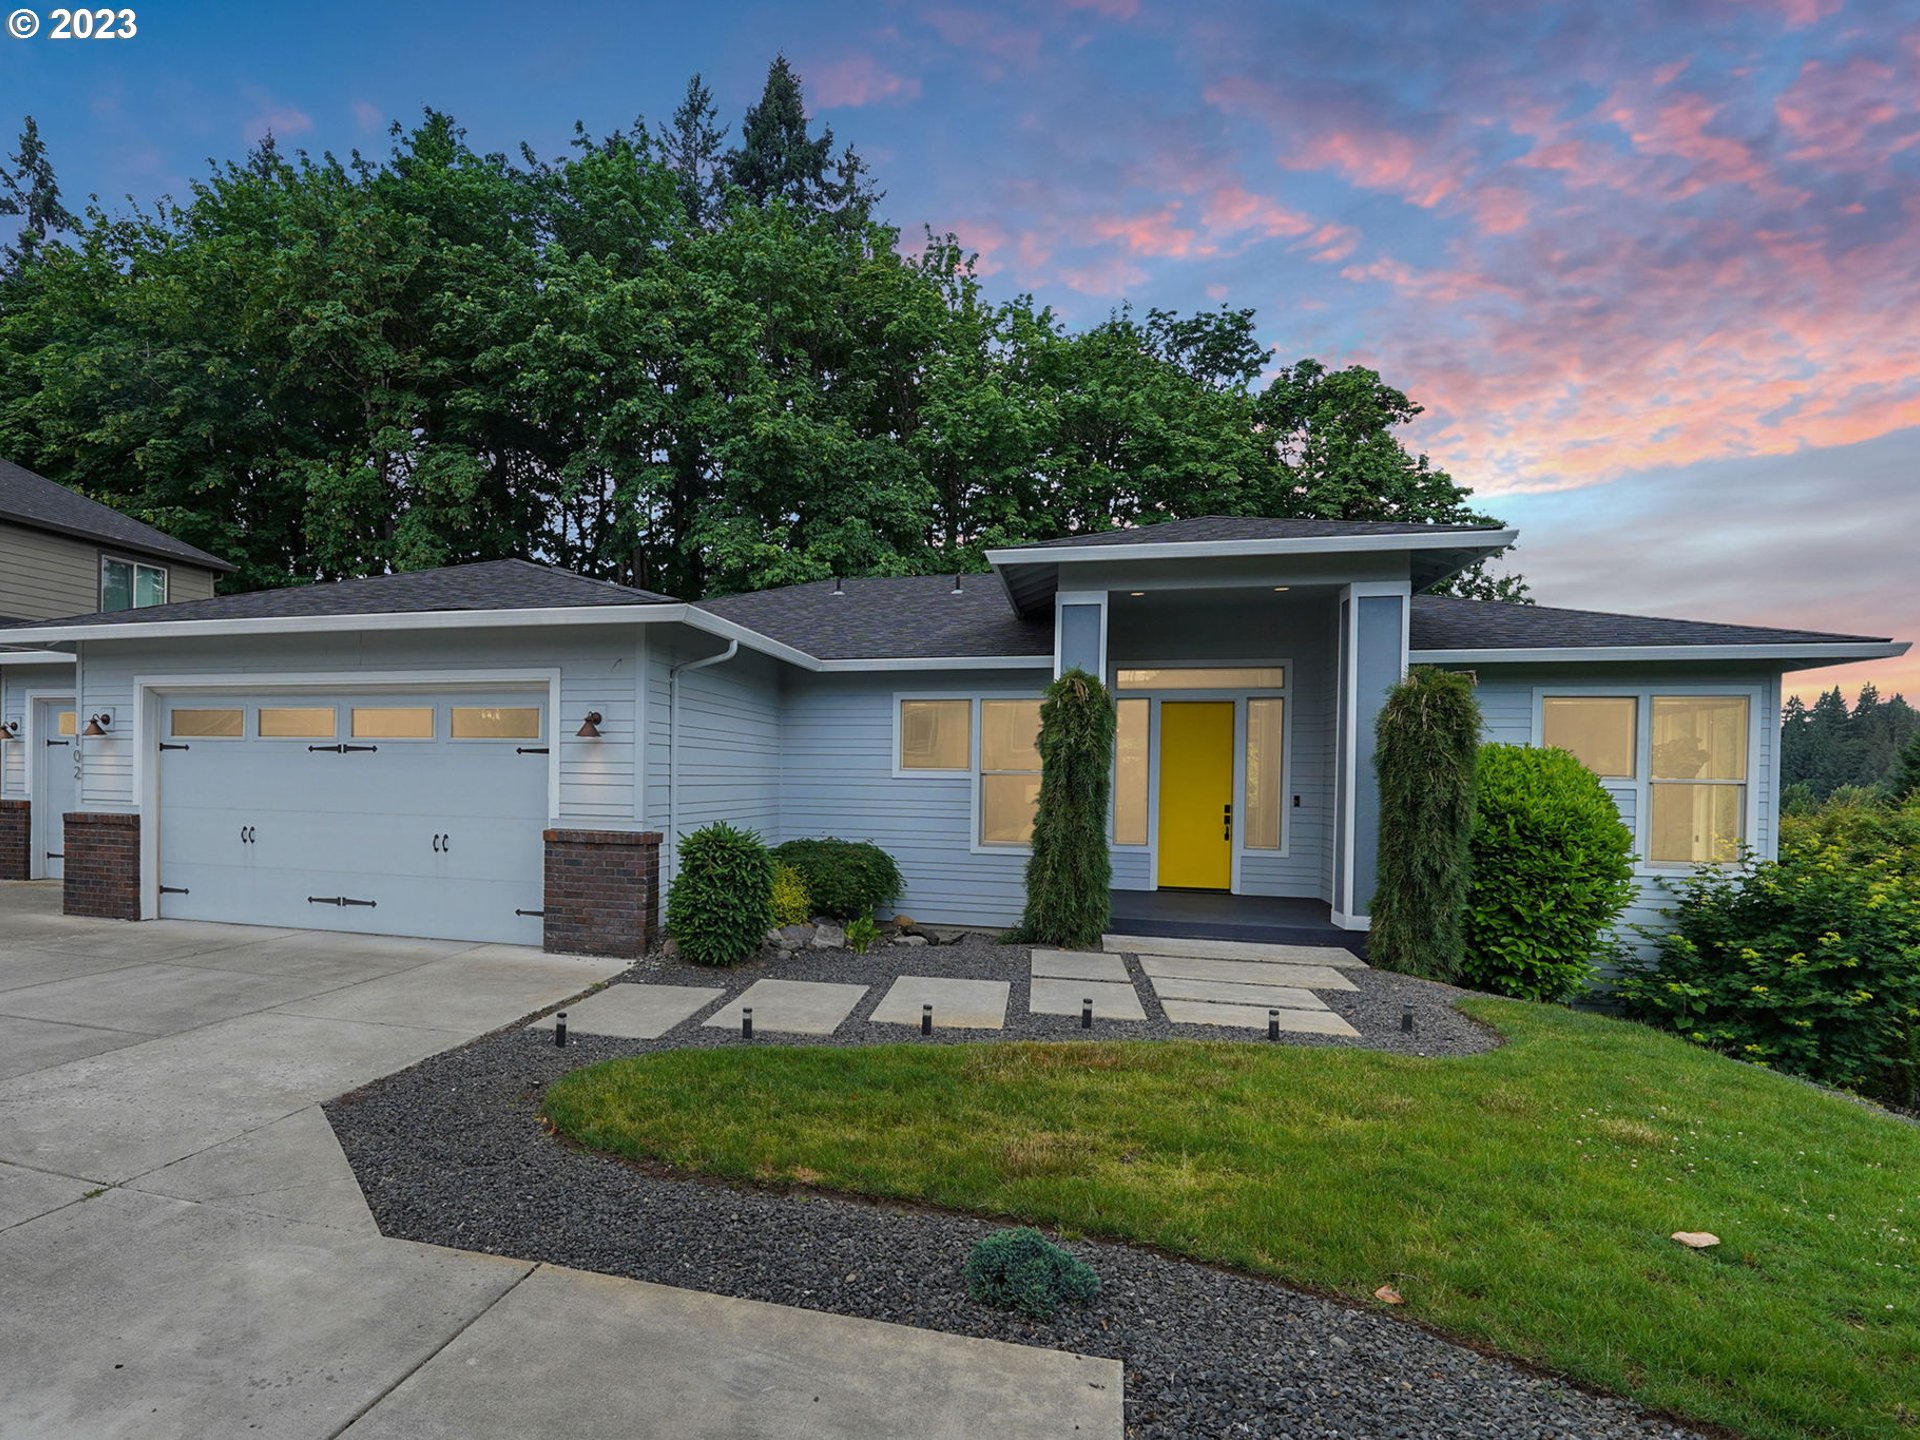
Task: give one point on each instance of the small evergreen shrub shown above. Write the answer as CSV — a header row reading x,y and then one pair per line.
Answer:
x,y
1552,868
1809,964
844,878
792,905
1023,1270
1070,873
861,934
721,904
1426,752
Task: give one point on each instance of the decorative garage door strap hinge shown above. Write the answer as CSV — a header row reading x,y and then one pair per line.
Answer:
x,y
340,900
339,749
56,854
174,890
529,749
165,746
59,742
529,912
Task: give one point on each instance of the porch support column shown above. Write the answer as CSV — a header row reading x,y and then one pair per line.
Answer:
x,y
1080,632
1373,658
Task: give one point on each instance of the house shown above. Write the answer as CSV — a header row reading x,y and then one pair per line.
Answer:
x,y
503,751
63,554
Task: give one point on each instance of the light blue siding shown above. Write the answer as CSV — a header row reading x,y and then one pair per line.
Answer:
x,y
15,682
837,779
1379,662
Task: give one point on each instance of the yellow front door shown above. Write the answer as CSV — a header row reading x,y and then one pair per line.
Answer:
x,y
1196,791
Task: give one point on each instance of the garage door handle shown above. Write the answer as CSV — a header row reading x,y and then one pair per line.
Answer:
x,y
340,900
338,749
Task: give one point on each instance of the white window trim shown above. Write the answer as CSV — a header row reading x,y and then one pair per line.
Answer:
x,y
976,845
166,579
1061,601
972,700
1642,784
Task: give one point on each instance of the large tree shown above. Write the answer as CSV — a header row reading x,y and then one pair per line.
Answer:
x,y
30,190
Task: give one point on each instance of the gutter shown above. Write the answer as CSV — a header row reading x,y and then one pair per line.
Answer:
x,y
673,748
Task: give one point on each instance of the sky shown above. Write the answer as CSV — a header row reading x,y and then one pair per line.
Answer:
x,y
1652,269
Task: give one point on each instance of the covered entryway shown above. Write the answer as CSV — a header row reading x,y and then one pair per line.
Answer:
x,y
52,786
389,812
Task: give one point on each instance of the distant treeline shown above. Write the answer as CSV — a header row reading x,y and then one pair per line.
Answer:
x,y
1827,748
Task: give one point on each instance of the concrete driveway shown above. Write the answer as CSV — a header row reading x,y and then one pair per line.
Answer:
x,y
184,1250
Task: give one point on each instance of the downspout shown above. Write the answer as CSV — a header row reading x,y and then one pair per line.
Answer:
x,y
673,748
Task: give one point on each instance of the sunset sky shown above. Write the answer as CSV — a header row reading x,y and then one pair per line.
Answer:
x,y
1653,269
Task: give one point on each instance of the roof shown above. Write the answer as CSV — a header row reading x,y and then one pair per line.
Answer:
x,y
892,617
1212,529
485,585
1442,622
41,504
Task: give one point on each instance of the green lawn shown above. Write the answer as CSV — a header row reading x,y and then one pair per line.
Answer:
x,y
1522,1198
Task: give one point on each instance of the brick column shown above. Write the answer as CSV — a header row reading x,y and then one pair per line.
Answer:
x,y
16,839
103,866
602,892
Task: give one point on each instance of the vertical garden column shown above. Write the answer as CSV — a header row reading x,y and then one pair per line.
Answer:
x,y
1373,657
1080,633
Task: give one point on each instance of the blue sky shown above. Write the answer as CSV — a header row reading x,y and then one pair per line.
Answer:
x,y
1652,268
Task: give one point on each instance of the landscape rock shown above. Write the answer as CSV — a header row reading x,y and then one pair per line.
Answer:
x,y
909,939
796,937
829,937
1697,1239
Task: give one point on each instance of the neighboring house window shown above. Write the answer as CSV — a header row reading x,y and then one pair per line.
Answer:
x,y
1600,731
131,584
1698,775
1266,731
936,735
1009,770
1130,772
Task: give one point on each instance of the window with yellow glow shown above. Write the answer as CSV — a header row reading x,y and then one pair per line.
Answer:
x,y
298,722
1266,731
1009,770
1201,677
496,722
1698,779
210,724
393,722
1130,772
935,735
1600,731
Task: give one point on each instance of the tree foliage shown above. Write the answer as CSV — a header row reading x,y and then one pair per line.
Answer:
x,y
1070,873
1829,746
1427,744
652,359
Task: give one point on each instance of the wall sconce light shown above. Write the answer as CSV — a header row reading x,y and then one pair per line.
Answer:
x,y
590,727
98,725
10,730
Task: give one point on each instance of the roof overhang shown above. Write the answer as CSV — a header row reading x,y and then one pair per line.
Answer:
x,y
445,620
1795,656
1033,574
34,657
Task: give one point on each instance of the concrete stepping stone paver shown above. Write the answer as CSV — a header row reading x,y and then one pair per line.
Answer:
x,y
957,1004
1051,995
1287,997
798,1007
635,1012
1246,972
1232,950
1079,965
1254,1017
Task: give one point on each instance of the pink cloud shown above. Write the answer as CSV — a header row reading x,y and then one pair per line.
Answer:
x,y
1153,233
280,120
1852,115
368,116
1111,9
987,35
858,79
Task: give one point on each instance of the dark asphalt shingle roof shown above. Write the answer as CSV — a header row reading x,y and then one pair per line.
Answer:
x,y
485,585
1442,622
895,617
41,504
1202,529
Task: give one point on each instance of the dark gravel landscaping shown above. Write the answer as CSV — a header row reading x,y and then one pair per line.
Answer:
x,y
452,1152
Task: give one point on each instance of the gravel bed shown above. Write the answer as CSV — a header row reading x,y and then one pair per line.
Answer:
x,y
451,1152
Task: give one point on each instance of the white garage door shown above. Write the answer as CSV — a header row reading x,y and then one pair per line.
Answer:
x,y
391,813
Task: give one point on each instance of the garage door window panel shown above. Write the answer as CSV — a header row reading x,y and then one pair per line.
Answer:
x,y
209,724
393,722
298,722
495,722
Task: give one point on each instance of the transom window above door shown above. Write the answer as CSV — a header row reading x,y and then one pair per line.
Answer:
x,y
1204,677
131,584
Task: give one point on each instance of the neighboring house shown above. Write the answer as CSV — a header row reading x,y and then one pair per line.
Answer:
x,y
63,554
505,752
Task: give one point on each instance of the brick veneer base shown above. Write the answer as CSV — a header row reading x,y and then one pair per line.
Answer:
x,y
16,838
602,892
102,866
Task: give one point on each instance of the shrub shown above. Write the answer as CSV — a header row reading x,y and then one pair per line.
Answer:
x,y
721,904
792,905
861,934
1023,1270
1809,964
1552,870
844,878
1070,873
1427,747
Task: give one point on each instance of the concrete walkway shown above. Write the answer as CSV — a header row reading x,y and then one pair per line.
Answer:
x,y
185,1252
1241,984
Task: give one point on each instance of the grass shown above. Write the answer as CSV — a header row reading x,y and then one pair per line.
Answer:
x,y
1521,1199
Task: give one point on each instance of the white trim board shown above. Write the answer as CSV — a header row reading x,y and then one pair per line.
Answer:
x,y
1837,653
1212,549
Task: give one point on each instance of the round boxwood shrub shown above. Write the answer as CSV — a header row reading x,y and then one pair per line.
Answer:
x,y
1023,1270
845,878
721,904
792,905
1551,870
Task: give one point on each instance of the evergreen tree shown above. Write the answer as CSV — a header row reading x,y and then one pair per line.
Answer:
x,y
31,191
1070,873
1836,754
779,158
691,148
1796,743
1904,782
